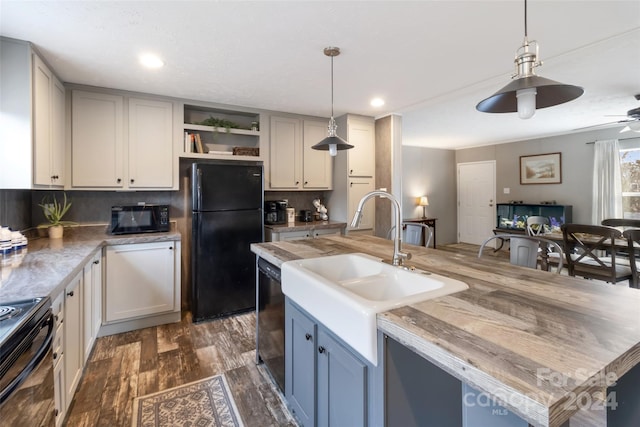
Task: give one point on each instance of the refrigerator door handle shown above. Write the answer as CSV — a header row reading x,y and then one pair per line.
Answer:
x,y
199,187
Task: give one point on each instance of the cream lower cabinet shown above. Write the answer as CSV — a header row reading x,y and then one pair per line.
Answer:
x,y
92,307
142,281
73,350
293,164
59,390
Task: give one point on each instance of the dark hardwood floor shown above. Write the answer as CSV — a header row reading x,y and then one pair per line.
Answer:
x,y
124,366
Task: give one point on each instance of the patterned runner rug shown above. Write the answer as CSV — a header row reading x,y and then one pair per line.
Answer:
x,y
206,402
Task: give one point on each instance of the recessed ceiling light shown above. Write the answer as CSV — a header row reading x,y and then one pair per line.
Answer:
x,y
150,60
377,102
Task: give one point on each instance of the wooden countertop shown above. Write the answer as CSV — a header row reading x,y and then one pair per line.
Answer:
x,y
526,337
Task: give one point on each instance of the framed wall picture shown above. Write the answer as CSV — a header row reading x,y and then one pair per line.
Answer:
x,y
541,169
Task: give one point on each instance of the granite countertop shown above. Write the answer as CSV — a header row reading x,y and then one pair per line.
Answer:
x,y
298,226
513,333
48,265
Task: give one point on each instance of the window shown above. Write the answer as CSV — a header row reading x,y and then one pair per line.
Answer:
x,y
630,169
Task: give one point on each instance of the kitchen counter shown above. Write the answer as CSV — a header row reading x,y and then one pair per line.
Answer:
x,y
49,265
531,339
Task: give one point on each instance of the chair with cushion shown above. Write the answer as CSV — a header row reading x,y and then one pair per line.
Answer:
x,y
524,250
633,241
412,233
537,225
591,252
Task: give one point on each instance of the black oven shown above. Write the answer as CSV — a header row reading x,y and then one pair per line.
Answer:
x,y
142,218
26,364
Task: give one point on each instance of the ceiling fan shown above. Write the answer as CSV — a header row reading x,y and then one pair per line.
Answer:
x,y
632,119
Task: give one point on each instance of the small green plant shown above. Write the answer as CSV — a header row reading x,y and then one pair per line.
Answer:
x,y
54,211
219,123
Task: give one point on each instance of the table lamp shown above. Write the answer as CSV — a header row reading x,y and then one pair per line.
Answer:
x,y
424,202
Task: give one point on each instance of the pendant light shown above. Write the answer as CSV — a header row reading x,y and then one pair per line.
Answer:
x,y
528,91
332,142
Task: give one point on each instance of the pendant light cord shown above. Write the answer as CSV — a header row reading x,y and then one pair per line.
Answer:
x,y
525,19
332,87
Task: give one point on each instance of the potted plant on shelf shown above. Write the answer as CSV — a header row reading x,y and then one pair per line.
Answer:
x,y
53,212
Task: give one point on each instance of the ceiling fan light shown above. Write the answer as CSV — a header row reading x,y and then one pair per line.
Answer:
x,y
634,126
526,102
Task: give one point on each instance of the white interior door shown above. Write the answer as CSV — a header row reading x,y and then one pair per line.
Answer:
x,y
476,201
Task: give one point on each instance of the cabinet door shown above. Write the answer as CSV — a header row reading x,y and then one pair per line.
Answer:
x,y
317,165
96,140
362,155
73,347
42,126
59,391
150,144
285,154
342,385
300,364
139,280
358,187
92,309
58,132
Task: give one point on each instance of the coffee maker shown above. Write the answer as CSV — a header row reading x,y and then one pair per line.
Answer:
x,y
275,212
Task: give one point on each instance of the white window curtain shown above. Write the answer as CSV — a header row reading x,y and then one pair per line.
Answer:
x,y
607,181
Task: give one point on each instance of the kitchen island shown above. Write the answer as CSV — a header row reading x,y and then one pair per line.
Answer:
x,y
547,347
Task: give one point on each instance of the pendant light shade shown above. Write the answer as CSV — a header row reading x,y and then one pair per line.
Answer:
x,y
528,92
332,142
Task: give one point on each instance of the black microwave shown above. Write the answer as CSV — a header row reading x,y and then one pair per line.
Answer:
x,y
143,218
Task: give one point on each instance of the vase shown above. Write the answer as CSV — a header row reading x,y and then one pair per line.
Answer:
x,y
55,232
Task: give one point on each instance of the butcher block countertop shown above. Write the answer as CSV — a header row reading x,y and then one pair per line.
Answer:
x,y
532,339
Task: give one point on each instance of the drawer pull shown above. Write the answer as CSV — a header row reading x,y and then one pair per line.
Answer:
x,y
70,293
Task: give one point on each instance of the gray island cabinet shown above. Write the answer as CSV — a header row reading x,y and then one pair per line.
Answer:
x,y
519,347
326,382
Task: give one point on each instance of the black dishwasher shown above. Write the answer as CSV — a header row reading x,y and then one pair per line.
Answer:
x,y
270,321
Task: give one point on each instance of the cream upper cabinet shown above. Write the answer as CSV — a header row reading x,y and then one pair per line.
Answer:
x,y
359,132
97,140
32,120
120,142
358,187
317,165
285,154
293,164
48,126
150,144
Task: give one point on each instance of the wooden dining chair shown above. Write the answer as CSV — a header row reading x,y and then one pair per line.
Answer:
x,y
621,222
525,250
537,225
591,250
412,233
633,243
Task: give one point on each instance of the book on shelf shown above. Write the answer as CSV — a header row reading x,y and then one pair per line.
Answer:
x,y
199,145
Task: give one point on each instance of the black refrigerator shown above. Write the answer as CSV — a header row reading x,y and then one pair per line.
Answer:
x,y
227,200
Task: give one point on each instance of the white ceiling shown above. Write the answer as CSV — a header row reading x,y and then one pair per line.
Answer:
x,y
432,61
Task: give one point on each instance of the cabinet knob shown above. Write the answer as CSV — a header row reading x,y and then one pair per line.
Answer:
x,y
321,349
306,182
307,337
55,412
132,180
70,293
351,184
55,355
350,171
297,182
56,317
118,180
96,261
170,248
